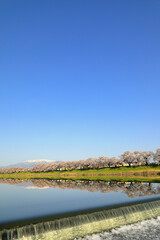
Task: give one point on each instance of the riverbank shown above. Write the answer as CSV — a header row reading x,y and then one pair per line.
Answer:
x,y
141,173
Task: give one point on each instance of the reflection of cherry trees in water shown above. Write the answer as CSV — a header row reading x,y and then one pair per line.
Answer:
x,y
131,189
142,189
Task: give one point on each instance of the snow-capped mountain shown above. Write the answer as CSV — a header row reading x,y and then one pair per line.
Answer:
x,y
31,163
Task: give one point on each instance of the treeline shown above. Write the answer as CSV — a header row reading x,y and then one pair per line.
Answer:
x,y
136,158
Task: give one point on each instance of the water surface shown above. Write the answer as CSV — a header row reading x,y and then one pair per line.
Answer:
x,y
84,224
26,199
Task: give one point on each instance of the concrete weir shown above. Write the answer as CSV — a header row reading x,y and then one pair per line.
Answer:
x,y
79,225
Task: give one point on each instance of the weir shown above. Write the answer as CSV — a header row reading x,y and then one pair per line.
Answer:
x,y
68,228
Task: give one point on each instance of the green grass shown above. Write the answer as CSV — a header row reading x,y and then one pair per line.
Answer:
x,y
141,173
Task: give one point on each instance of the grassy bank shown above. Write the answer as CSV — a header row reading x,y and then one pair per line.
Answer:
x,y
141,173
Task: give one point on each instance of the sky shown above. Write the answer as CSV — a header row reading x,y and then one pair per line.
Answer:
x,y
78,79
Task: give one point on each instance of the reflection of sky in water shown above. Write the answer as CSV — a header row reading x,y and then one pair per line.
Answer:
x,y
17,202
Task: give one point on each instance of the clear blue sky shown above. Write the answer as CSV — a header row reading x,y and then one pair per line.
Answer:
x,y
78,78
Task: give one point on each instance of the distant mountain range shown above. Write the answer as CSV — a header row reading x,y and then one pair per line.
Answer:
x,y
30,163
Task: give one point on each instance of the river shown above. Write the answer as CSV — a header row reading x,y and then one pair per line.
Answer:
x,y
65,209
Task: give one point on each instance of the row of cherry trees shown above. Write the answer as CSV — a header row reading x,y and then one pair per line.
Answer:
x,y
136,158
